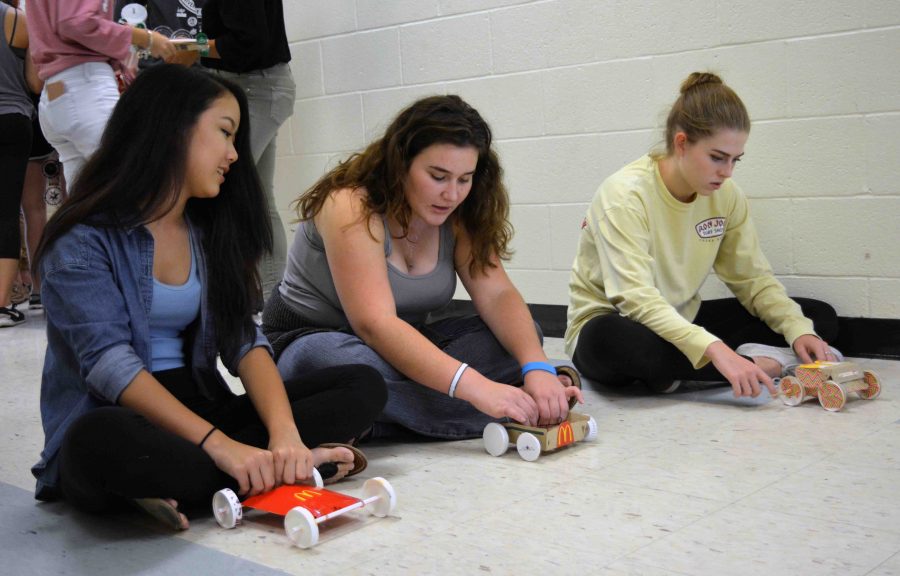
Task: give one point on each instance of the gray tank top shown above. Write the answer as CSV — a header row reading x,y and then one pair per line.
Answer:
x,y
308,288
14,94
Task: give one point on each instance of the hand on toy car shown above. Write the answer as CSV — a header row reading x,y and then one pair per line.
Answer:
x,y
498,400
253,468
293,461
551,397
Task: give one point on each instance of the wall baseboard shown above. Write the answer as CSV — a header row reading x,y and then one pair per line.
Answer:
x,y
858,337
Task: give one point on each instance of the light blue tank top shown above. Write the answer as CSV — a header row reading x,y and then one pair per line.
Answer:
x,y
308,288
172,310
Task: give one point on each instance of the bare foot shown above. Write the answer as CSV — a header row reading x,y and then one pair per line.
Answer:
x,y
769,365
165,510
340,456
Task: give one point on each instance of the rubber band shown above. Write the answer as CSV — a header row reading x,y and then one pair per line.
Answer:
x,y
205,438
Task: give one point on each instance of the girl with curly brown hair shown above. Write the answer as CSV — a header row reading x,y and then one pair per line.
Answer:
x,y
381,240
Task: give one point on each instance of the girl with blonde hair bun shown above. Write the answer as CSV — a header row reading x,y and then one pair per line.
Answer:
x,y
652,234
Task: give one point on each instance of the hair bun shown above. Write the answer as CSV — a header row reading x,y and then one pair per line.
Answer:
x,y
698,79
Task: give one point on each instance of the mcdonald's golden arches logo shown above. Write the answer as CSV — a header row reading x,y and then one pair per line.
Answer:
x,y
565,435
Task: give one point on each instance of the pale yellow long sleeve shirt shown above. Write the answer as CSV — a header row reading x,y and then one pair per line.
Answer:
x,y
645,255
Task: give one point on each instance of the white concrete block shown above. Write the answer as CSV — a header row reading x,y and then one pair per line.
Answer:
x,y
848,296
802,158
465,6
754,20
847,237
378,13
565,229
305,19
558,33
598,97
883,153
306,67
531,240
634,29
361,61
330,124
845,74
567,169
293,176
511,105
520,35
885,298
446,49
541,286
380,107
774,221
762,86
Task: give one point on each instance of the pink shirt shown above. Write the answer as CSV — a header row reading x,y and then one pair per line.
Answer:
x,y
66,33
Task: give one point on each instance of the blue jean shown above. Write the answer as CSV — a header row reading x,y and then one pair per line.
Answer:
x,y
411,405
270,97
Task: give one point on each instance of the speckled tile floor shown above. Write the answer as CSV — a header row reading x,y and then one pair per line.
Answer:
x,y
687,484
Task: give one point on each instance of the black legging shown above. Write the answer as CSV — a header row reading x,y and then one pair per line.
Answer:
x,y
113,454
614,350
15,145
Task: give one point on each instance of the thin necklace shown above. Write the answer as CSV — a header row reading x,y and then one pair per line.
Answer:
x,y
410,249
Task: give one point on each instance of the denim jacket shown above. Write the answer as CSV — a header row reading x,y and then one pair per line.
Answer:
x,y
97,287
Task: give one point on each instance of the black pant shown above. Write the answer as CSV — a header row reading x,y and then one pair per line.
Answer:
x,y
114,454
614,350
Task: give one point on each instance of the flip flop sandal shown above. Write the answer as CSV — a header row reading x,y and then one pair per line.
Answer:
x,y
162,511
329,469
573,375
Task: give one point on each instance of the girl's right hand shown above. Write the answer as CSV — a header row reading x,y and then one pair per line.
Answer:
x,y
501,401
743,375
253,468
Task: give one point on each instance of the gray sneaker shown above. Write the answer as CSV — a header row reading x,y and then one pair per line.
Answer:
x,y
784,356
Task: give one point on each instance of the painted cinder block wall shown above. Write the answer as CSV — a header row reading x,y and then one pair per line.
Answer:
x,y
574,89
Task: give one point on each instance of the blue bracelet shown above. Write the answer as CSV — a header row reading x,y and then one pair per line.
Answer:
x,y
538,366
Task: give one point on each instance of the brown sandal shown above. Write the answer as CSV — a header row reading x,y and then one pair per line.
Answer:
x,y
359,462
574,376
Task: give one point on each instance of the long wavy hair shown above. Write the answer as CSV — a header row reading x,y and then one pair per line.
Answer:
x,y
381,169
137,174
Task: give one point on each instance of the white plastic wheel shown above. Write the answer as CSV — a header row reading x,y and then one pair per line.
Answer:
x,y
227,508
496,439
387,498
592,430
301,527
529,446
317,478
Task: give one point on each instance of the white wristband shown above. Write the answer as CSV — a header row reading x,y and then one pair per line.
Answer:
x,y
456,377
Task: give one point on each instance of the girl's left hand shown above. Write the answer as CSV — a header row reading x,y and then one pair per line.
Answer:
x,y
551,397
293,460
